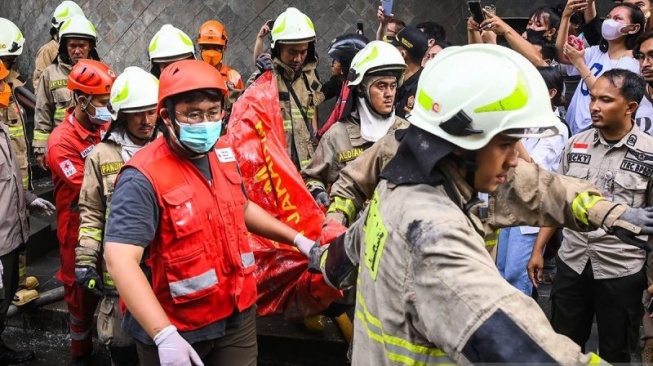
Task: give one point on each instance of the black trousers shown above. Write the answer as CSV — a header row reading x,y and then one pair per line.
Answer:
x,y
616,302
10,284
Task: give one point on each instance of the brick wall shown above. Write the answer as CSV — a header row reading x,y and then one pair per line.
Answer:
x,y
125,27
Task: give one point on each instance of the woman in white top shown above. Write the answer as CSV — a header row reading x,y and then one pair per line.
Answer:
x,y
623,24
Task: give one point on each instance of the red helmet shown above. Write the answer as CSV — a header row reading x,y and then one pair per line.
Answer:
x,y
212,32
91,77
187,75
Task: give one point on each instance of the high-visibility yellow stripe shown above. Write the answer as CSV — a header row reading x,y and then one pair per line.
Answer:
x,y
492,239
108,281
582,203
596,360
287,125
16,131
397,349
41,136
93,233
59,114
345,206
25,182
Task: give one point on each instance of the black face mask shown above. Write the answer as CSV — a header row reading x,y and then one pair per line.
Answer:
x,y
531,34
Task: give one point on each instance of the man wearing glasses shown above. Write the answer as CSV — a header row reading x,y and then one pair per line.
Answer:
x,y
176,239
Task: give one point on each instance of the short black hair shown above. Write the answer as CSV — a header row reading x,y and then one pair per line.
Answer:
x,y
548,48
553,80
433,30
632,86
641,39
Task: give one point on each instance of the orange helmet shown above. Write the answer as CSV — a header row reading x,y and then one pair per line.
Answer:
x,y
91,77
212,32
187,75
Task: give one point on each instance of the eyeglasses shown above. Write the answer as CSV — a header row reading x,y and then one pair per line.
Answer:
x,y
197,116
643,56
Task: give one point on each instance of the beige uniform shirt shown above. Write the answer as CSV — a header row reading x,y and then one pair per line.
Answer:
x,y
622,173
100,172
44,57
339,147
13,117
359,178
426,284
52,100
309,92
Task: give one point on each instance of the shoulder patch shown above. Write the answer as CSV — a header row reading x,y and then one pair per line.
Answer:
x,y
111,168
68,168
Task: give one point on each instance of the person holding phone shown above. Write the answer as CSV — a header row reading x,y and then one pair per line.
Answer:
x,y
388,24
623,24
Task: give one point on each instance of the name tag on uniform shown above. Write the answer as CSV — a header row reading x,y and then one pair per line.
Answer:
x,y
225,155
87,151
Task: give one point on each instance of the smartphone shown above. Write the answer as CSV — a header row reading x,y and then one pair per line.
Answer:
x,y
359,28
270,24
477,11
575,42
649,307
387,6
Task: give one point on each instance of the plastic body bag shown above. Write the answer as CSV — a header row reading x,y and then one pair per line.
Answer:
x,y
271,180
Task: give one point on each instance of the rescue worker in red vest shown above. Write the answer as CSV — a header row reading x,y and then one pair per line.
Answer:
x,y
168,45
71,142
176,237
48,52
294,64
133,108
376,73
78,39
428,291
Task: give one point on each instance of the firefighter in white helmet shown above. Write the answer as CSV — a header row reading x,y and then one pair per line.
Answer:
x,y
375,74
168,45
133,107
48,52
78,39
294,64
427,289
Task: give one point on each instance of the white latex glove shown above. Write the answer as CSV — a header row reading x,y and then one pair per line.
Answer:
x,y
304,244
174,350
42,205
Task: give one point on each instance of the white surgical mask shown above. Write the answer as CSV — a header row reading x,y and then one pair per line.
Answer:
x,y
612,29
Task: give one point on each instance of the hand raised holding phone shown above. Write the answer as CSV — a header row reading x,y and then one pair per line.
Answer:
x,y
574,6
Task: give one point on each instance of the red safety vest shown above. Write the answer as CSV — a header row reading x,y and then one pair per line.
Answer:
x,y
201,263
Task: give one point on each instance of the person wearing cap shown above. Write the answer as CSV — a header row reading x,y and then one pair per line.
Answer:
x,y
78,39
294,64
376,73
133,108
427,289
168,45
342,51
83,127
14,227
176,241
48,52
413,44
597,274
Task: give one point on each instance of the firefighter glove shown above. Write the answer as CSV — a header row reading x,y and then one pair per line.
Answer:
x,y
88,278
